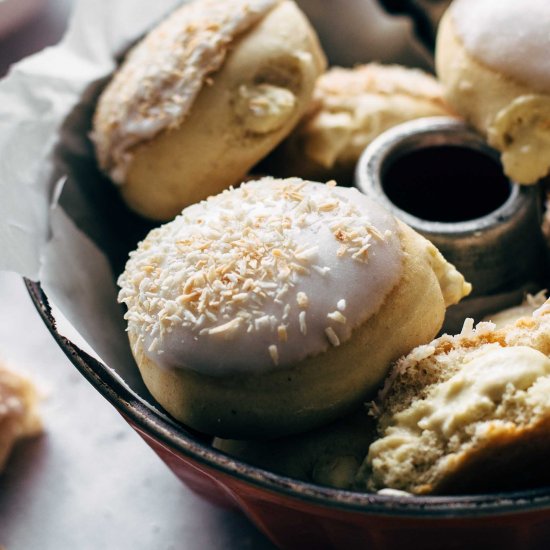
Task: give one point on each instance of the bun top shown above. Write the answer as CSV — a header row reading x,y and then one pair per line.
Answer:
x,y
156,86
509,36
260,277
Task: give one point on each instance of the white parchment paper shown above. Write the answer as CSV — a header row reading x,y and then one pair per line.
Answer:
x,y
61,221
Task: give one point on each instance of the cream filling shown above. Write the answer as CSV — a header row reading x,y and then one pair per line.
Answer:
x,y
260,277
521,131
452,283
264,108
471,395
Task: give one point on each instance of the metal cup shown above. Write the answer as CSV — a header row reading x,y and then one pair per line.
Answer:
x,y
500,250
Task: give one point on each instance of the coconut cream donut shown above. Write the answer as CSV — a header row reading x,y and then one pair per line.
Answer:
x,y
202,98
278,306
492,58
467,413
350,108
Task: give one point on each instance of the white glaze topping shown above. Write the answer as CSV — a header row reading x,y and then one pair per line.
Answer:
x,y
161,77
511,36
260,277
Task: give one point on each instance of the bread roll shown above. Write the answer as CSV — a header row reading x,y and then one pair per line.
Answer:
x,y
467,413
202,98
278,306
492,58
350,108
330,455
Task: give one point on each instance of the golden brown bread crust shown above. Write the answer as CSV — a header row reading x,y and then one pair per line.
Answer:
x,y
511,457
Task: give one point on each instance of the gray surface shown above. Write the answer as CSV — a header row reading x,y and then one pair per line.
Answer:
x,y
89,482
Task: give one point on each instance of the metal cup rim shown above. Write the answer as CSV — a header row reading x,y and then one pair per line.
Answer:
x,y
415,134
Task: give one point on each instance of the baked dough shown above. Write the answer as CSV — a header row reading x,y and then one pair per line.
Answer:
x,y
468,413
330,455
510,315
202,98
18,411
492,58
278,306
350,108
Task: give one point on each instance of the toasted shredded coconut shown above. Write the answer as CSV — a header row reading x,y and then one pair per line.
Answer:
x,y
337,316
332,336
236,264
302,321
302,299
274,353
467,327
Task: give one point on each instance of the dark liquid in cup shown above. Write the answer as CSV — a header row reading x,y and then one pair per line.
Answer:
x,y
445,183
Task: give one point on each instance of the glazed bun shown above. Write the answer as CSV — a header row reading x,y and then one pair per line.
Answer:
x,y
467,413
278,306
350,108
492,58
202,98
